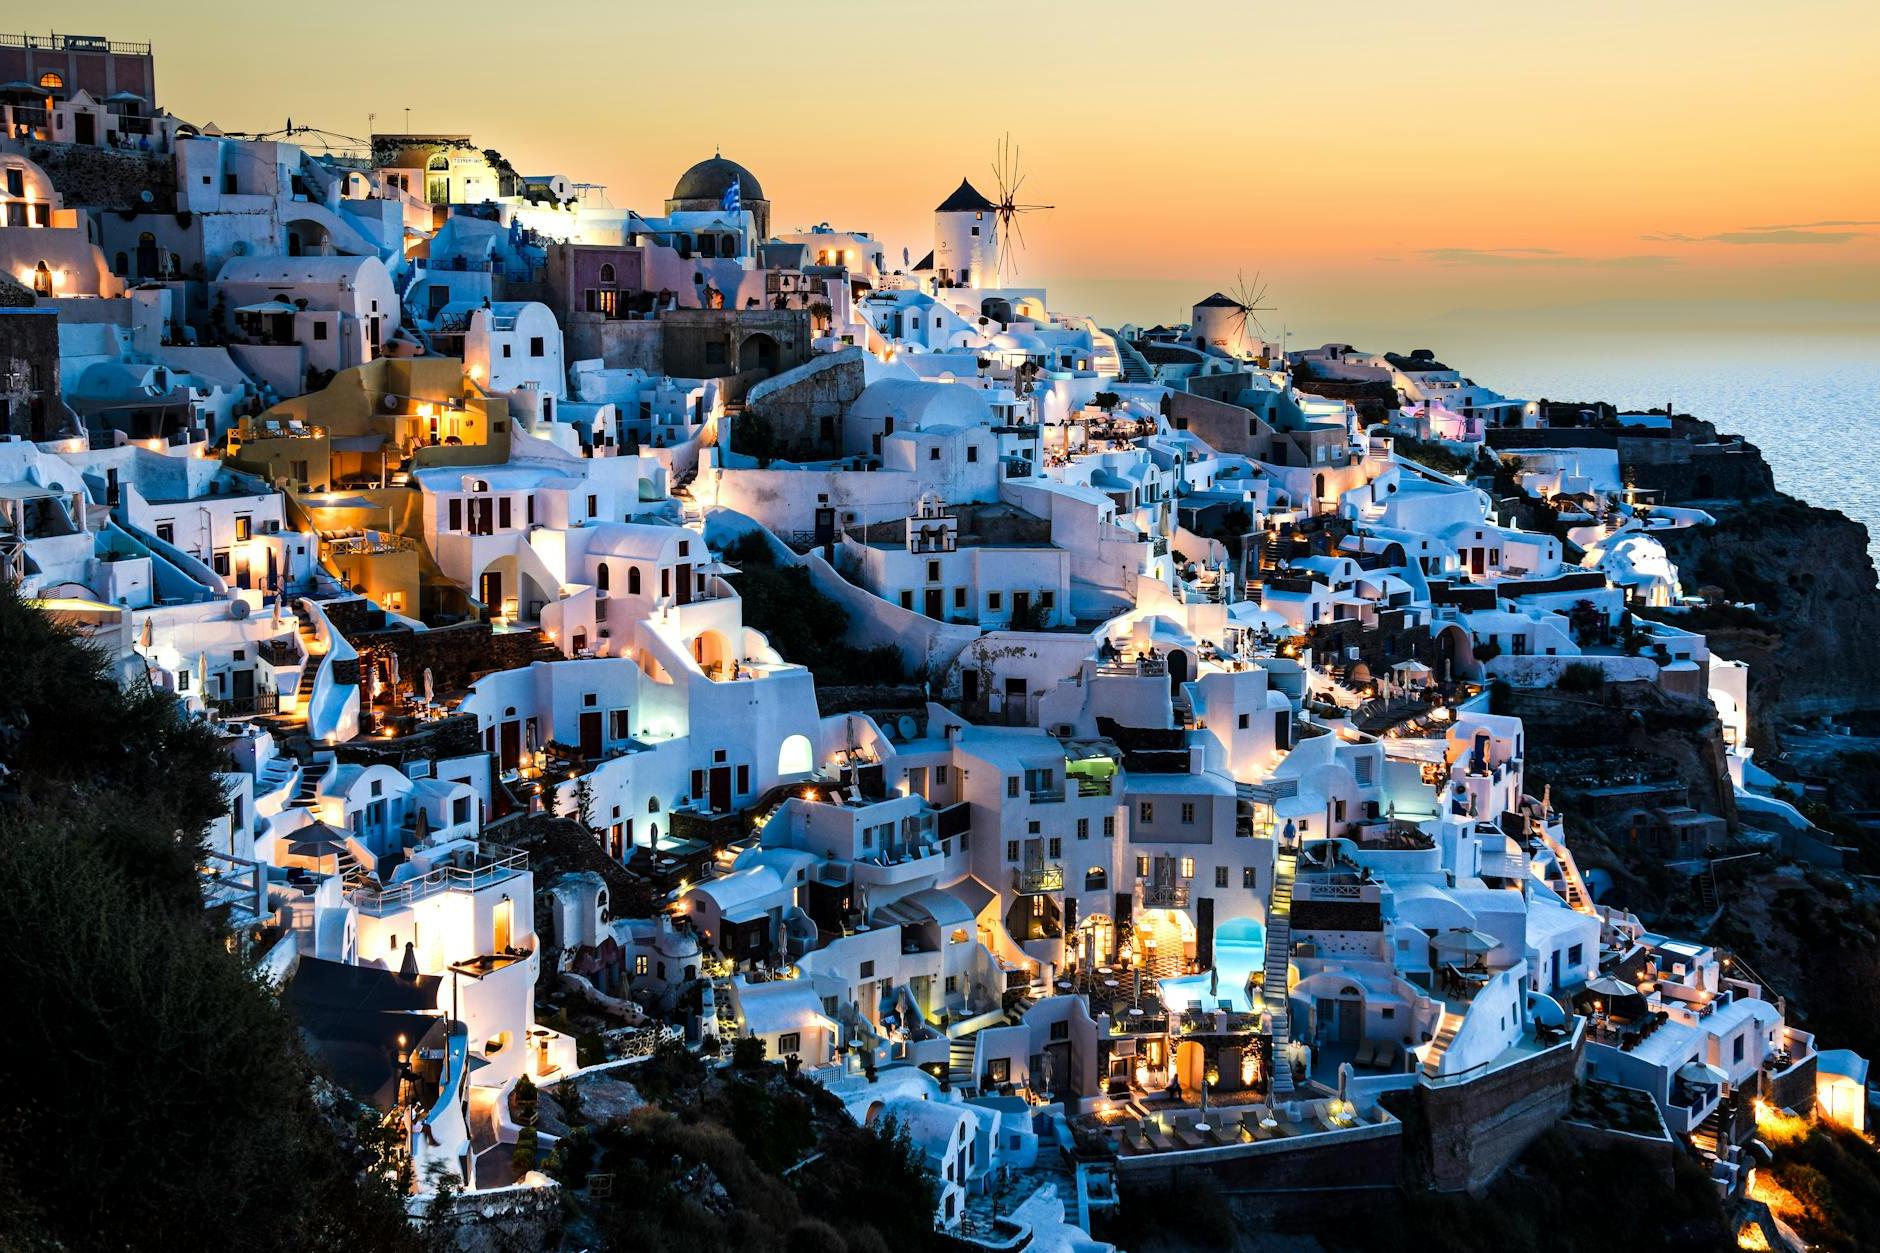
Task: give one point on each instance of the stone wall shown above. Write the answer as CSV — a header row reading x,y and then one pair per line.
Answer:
x,y
1465,1133
803,410
107,178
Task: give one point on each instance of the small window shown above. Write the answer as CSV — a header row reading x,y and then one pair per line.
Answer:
x,y
994,601
1109,825
1188,813
1011,850
1055,847
789,1042
1145,812
1220,876
1248,879
1575,954
166,531
868,970
1188,867
1083,828
972,452
1011,785
535,346
319,330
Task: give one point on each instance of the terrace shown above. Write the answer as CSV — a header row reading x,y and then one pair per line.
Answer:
x,y
1227,1130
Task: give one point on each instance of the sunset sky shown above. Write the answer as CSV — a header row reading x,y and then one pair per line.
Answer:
x,y
1679,164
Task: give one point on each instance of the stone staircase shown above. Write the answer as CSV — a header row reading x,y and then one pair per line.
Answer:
x,y
692,513
960,1053
1278,971
1445,1035
1136,368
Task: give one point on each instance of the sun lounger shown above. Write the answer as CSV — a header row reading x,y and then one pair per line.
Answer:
x,y
1366,1056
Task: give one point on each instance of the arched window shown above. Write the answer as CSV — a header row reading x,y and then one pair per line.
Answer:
x,y
796,756
652,804
604,579
121,265
633,580
1096,879
438,162
51,81
607,273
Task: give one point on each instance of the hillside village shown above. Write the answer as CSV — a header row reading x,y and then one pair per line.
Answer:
x,y
664,642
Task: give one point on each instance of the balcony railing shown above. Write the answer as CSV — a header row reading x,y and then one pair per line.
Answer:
x,y
1165,896
1035,879
281,652
453,878
259,703
1046,795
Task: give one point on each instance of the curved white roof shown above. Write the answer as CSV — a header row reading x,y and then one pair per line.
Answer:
x,y
922,406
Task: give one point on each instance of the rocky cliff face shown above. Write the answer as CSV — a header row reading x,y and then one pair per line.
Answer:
x,y
1813,643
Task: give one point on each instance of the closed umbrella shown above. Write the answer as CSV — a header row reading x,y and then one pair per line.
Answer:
x,y
428,697
148,635
408,968
394,657
202,675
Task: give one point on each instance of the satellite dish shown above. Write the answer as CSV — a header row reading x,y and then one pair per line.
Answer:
x,y
391,404
238,609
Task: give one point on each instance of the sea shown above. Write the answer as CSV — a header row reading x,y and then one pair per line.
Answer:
x,y
1812,406
1802,383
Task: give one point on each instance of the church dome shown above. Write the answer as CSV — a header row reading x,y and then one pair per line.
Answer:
x,y
711,178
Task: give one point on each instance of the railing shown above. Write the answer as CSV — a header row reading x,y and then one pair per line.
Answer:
x,y
262,702
1035,879
74,43
369,545
1094,787
281,652
1046,796
1165,896
443,879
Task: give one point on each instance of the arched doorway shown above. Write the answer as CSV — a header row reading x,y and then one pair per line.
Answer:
x,y
759,352
713,653
1177,671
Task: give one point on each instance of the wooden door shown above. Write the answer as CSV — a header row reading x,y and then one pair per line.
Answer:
x,y
591,734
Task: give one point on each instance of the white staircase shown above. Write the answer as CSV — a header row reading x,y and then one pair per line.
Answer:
x,y
1278,971
1445,1034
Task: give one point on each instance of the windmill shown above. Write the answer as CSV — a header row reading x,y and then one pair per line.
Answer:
x,y
1006,205
1249,303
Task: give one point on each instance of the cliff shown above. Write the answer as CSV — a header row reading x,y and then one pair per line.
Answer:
x,y
1810,643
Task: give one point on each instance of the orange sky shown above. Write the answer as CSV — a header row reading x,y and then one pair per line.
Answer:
x,y
1375,162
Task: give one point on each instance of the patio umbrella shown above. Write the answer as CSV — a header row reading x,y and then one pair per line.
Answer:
x,y
408,968
273,571
1608,986
1472,943
1702,1075
277,609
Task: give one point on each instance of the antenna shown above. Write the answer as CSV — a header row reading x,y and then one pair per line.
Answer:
x,y
1007,208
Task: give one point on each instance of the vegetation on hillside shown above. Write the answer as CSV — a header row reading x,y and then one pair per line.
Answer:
x,y
153,1093
748,1157
803,625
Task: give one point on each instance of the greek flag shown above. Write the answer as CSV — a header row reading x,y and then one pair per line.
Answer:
x,y
734,197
